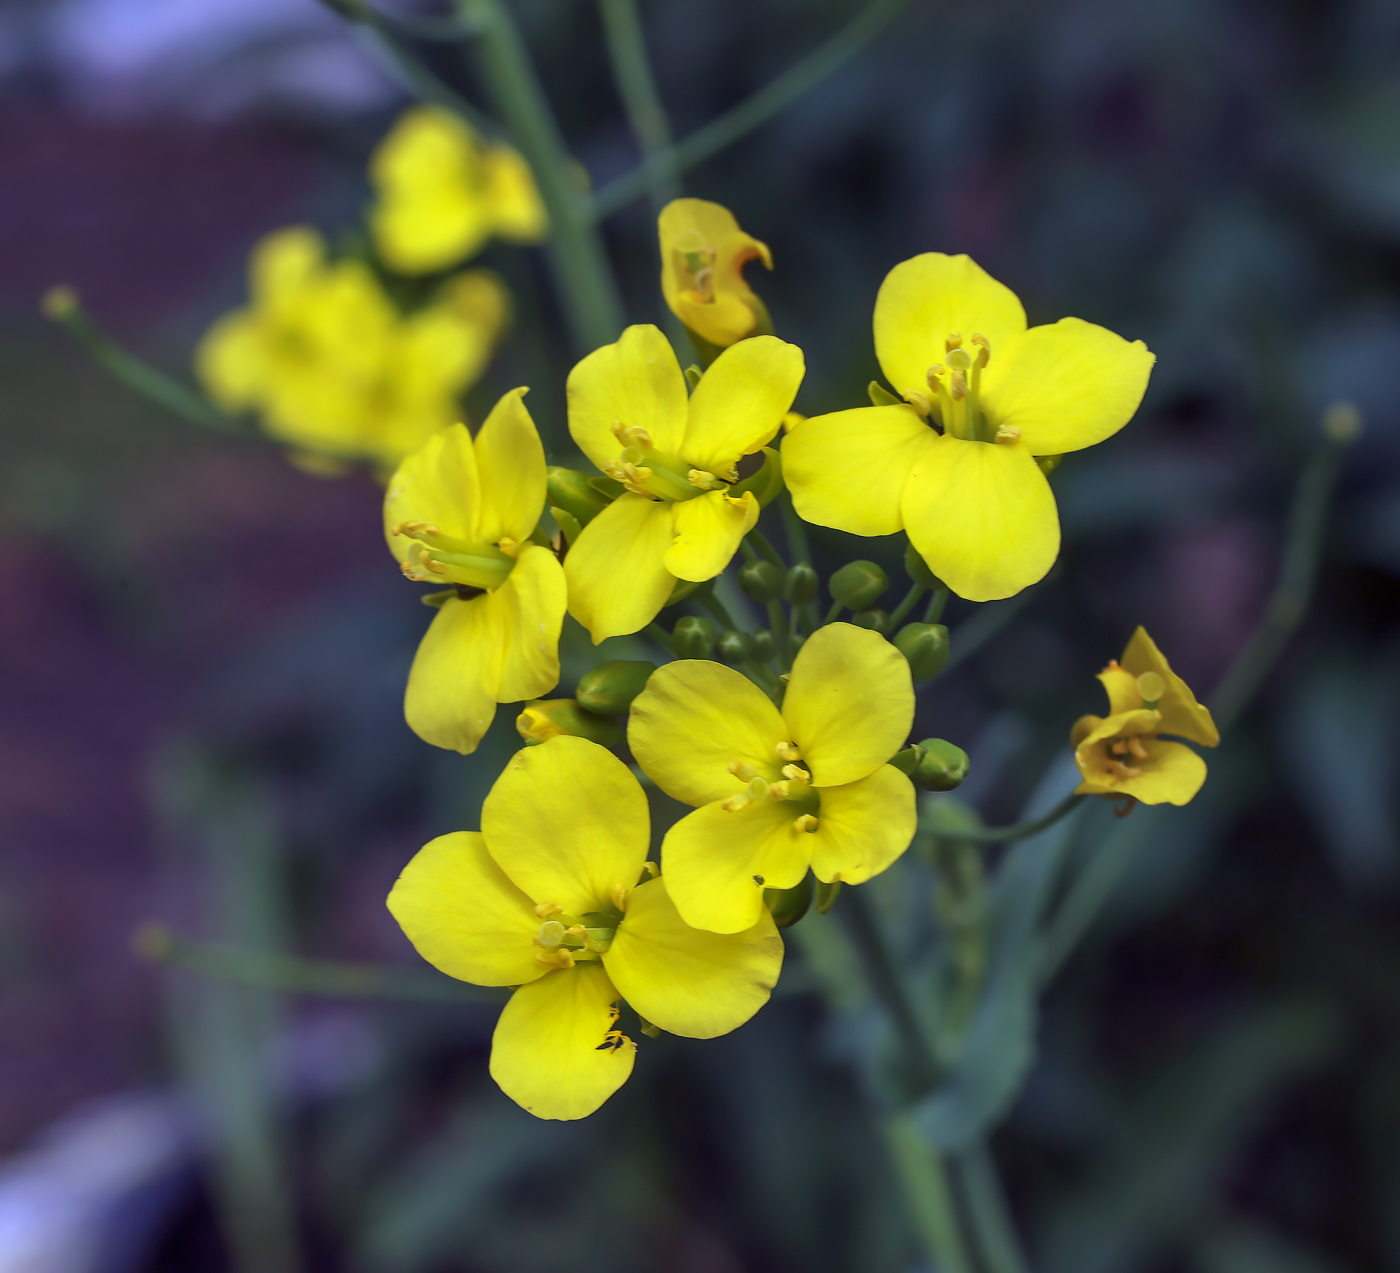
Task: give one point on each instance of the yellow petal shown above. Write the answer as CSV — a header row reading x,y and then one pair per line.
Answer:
x,y
696,718
864,826
281,266
1066,385
531,603
707,533
740,402
516,208
617,578
982,516
510,461
464,916
568,823
731,312
438,484
847,470
930,297
551,1053
849,703
1181,713
635,382
452,685
717,863
1171,774
232,362
685,980
1121,687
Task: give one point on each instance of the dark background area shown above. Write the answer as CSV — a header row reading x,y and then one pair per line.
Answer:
x,y
1217,1085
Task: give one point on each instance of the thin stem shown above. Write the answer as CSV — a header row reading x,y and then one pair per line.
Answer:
x,y
760,541
1019,830
576,250
1307,526
782,637
753,111
994,1232
716,607
836,608
911,599
934,612
796,530
637,87
658,634
749,551
924,1179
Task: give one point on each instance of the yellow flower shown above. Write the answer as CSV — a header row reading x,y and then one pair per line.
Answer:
x,y
779,791
460,513
331,366
1123,755
703,254
629,413
546,899
956,467
443,192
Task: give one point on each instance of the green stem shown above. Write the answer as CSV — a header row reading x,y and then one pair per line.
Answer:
x,y
934,611
716,607
782,637
580,264
796,530
836,608
1019,830
749,551
901,611
637,87
753,111
989,1218
760,541
924,1180
658,634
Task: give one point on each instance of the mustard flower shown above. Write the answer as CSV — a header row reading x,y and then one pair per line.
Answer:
x,y
703,254
332,367
460,512
442,192
676,456
954,465
779,791
1123,755
546,899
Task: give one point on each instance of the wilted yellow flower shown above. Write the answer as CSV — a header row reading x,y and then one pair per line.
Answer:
x,y
629,413
442,192
779,790
703,254
547,899
956,467
1123,755
329,364
460,512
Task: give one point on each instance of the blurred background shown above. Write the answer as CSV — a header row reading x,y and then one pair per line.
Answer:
x,y
204,650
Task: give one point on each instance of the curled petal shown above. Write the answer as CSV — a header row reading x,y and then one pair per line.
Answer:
x,y
707,533
1181,713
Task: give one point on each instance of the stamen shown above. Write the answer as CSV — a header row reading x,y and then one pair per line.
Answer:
x,y
1120,770
952,341
957,386
742,770
806,822
546,910
415,529
736,803
1135,746
619,896
920,402
1008,433
778,790
788,752
797,774
985,346
705,481
630,434
558,958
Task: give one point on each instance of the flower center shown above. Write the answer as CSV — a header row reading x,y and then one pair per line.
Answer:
x,y
434,557
563,940
644,470
698,271
955,392
790,781
1124,757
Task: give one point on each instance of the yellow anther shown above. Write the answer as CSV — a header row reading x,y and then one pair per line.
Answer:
x,y
576,930
920,402
806,822
957,386
509,546
618,896
797,774
650,870
630,434
413,529
788,751
959,359
705,481
1151,686
547,910
736,803
779,790
742,770
985,346
1137,747
952,341
556,958
1008,433
1120,770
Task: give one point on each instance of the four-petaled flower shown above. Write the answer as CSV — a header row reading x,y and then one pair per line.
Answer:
x,y
703,254
546,899
1122,755
460,512
676,457
976,505
779,791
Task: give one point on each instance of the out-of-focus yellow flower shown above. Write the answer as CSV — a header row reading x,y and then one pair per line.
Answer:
x,y
779,791
547,899
1122,755
460,513
331,367
442,192
629,413
956,467
703,254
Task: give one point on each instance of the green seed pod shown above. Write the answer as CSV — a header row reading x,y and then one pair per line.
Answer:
x,y
575,493
608,690
694,638
546,718
766,483
941,767
917,569
761,580
801,584
875,620
859,585
788,905
925,645
734,647
763,647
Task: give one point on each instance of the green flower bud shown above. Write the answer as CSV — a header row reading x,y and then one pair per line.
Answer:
x,y
766,483
761,580
858,585
917,569
608,690
882,397
575,493
788,905
763,647
546,718
827,895
925,645
940,767
734,647
801,584
694,638
875,620
1048,463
